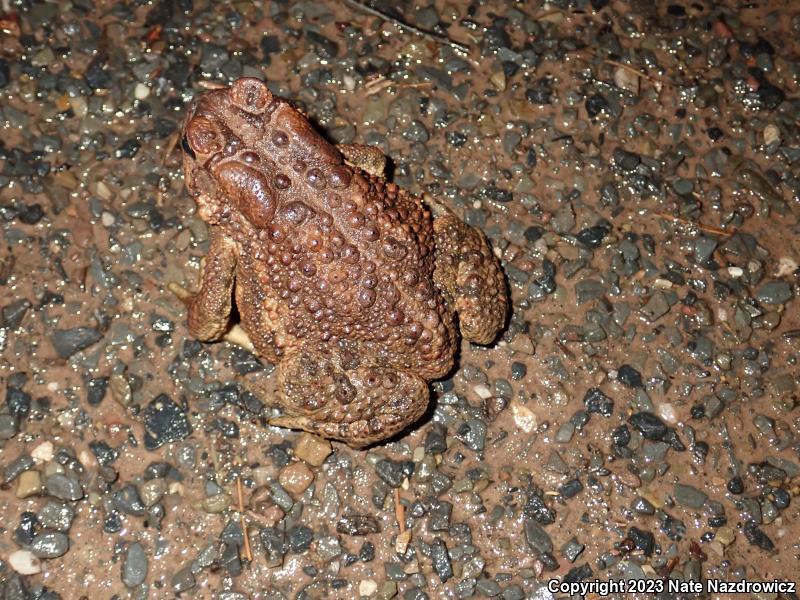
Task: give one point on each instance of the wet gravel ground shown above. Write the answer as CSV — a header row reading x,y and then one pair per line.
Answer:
x,y
637,169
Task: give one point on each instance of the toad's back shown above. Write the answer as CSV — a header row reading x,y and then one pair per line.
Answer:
x,y
331,253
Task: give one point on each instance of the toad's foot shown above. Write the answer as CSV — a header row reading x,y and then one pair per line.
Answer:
x,y
359,405
235,335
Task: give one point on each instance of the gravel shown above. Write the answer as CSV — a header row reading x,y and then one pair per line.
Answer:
x,y
646,219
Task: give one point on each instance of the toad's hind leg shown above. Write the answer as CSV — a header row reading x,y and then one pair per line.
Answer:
x,y
469,275
359,405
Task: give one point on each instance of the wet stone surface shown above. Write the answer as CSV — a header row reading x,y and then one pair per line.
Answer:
x,y
636,168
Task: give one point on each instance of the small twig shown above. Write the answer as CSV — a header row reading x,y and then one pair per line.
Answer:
x,y
708,228
377,85
567,352
399,511
628,68
248,553
172,142
442,39
638,72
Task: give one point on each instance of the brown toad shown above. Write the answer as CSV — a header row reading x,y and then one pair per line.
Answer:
x,y
345,281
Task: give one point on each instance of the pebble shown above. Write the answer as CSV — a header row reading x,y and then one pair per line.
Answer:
x,y
134,565
29,483
55,515
482,391
358,525
295,478
9,426
391,472
524,417
565,433
387,591
183,580
774,292
312,449
43,452
164,422
596,401
537,537
689,496
24,562
725,536
649,425
152,491
17,467
63,487
217,503
367,587
625,78
656,307
473,434
141,91
621,435
441,559
756,537
70,341
328,548
50,544
300,539
643,506
572,549
128,501
488,587
588,289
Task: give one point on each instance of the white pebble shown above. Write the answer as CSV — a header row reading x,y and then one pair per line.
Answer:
x,y
43,453
524,417
141,91
667,412
627,80
24,562
102,190
771,134
663,284
482,391
87,459
786,266
735,271
107,219
367,587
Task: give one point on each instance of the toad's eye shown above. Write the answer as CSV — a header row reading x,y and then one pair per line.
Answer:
x,y
187,148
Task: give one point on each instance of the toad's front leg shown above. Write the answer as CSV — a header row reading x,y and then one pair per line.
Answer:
x,y
210,308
